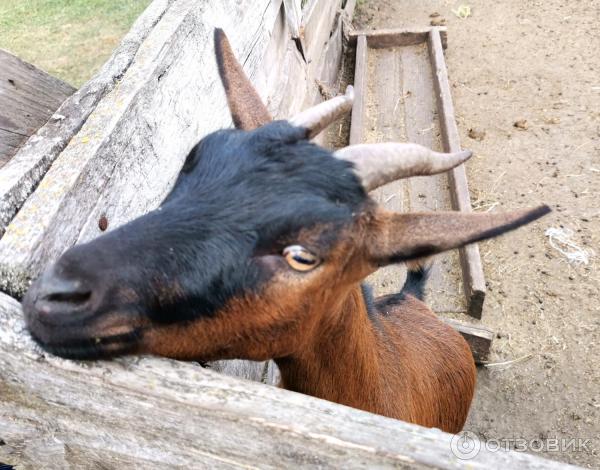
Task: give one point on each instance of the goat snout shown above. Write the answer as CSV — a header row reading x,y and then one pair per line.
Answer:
x,y
54,297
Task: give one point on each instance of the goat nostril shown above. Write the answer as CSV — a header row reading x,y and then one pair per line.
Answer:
x,y
55,289
69,297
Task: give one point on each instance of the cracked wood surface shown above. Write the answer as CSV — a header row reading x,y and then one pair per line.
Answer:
x,y
20,176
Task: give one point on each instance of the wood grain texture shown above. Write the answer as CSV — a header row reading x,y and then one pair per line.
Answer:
x,y
20,176
470,259
124,159
155,413
28,97
317,21
397,37
9,145
360,89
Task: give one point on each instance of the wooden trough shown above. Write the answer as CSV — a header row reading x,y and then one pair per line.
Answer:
x,y
403,94
111,152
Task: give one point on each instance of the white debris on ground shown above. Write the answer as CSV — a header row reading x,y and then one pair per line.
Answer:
x,y
561,240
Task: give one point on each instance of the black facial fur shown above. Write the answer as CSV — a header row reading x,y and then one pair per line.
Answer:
x,y
238,195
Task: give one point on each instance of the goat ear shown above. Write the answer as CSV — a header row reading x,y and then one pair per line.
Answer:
x,y
247,109
400,237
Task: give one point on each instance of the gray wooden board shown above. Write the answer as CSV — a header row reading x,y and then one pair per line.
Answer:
x,y
401,107
20,176
10,142
28,97
357,128
155,413
479,338
470,259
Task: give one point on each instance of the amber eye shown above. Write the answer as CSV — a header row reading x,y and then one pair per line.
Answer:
x,y
299,258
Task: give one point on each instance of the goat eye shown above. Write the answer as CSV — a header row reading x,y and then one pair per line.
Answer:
x,y
299,258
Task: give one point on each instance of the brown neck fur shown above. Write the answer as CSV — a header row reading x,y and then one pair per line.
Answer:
x,y
401,362
339,362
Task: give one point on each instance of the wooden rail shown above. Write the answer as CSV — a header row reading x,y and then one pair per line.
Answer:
x,y
157,413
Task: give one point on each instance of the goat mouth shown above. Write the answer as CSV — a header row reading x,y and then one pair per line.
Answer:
x,y
94,347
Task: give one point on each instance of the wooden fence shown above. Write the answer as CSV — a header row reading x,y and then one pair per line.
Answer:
x,y
113,150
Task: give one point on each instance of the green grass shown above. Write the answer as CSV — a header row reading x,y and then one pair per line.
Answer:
x,y
69,39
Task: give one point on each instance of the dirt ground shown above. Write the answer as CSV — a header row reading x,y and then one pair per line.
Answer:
x,y
538,63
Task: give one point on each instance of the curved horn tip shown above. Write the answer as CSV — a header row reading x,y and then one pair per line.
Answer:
x,y
464,155
540,211
350,91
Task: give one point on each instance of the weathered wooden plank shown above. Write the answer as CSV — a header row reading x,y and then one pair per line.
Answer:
x,y
28,97
417,101
159,413
479,338
293,16
397,37
317,21
331,54
124,159
20,176
384,121
472,271
360,89
282,78
9,144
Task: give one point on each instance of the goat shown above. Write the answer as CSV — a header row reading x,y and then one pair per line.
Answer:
x,y
259,252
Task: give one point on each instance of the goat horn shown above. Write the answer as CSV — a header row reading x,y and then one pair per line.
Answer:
x,y
318,117
378,164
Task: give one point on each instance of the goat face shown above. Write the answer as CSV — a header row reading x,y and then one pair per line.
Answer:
x,y
216,270
261,238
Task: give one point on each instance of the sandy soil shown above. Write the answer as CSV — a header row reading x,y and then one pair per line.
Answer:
x,y
538,63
